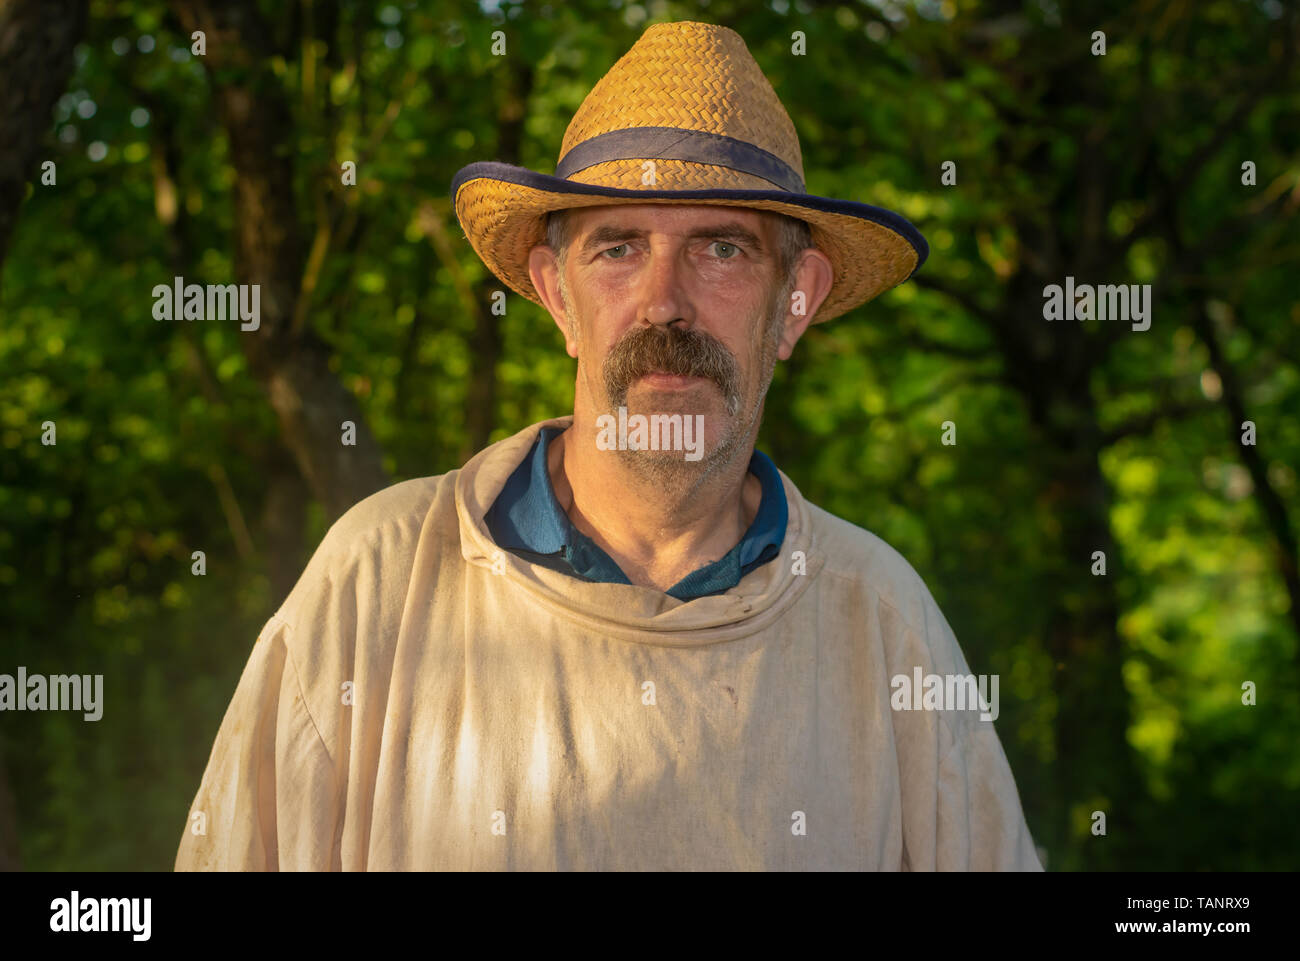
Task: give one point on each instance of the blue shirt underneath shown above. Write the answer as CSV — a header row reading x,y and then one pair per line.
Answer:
x,y
527,520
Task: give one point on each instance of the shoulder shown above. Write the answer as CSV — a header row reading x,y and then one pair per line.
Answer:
x,y
375,540
386,518
855,555
891,600
342,618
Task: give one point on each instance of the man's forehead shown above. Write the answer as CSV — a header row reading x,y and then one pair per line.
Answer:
x,y
665,218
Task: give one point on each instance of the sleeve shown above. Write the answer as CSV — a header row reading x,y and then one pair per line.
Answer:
x,y
980,824
962,810
268,798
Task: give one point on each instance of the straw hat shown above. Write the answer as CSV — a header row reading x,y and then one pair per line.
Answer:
x,y
690,97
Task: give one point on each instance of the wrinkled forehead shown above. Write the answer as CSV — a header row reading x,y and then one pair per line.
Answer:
x,y
668,218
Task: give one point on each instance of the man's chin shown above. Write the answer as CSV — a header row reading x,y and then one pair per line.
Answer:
x,y
669,472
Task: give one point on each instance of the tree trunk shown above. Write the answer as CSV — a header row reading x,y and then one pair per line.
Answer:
x,y
1095,766
310,402
37,38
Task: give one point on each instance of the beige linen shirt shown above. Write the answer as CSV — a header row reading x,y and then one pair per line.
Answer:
x,y
425,701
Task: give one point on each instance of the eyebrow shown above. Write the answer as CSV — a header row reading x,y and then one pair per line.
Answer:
x,y
730,232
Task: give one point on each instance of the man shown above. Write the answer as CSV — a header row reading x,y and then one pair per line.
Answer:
x,y
608,643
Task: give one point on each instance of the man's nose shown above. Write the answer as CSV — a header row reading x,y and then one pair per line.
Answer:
x,y
663,299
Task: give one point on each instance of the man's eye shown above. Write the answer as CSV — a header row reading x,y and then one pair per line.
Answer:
x,y
731,247
622,247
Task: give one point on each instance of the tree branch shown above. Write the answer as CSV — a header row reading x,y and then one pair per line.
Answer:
x,y
1143,424
1271,505
961,297
1236,118
938,393
920,341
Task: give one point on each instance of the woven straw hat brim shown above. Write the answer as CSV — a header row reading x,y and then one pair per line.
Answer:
x,y
502,210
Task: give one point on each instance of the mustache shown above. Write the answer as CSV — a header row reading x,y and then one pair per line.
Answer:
x,y
669,350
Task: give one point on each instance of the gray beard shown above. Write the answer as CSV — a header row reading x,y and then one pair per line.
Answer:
x,y
670,473
678,478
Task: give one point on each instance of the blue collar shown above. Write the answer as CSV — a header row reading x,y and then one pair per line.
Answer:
x,y
526,519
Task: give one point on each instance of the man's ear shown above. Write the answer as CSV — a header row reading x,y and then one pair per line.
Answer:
x,y
813,279
544,270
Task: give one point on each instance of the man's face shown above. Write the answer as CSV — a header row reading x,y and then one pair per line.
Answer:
x,y
676,310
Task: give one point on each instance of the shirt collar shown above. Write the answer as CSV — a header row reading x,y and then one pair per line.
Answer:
x,y
526,516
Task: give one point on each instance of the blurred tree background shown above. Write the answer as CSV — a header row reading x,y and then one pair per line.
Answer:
x,y
1120,693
